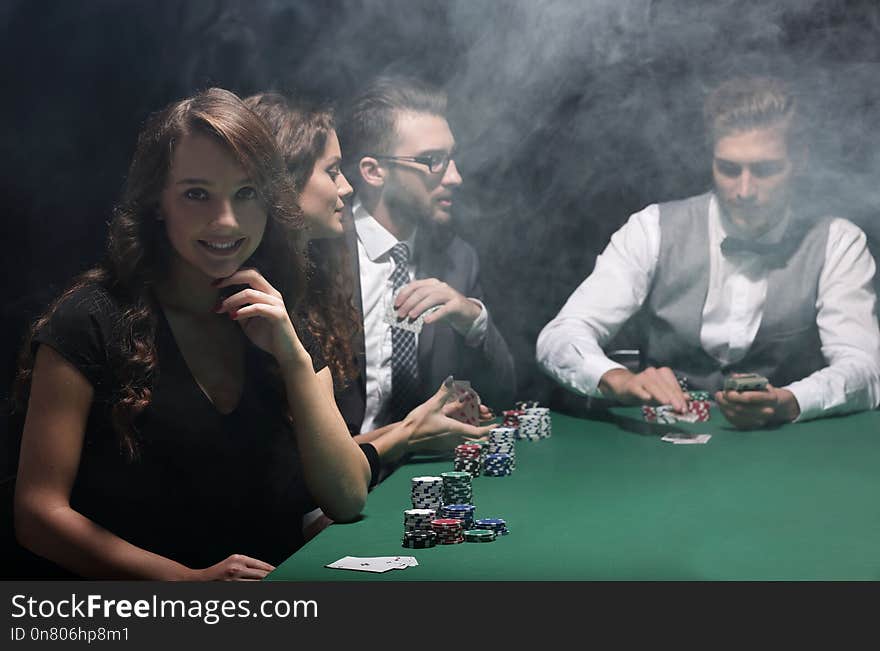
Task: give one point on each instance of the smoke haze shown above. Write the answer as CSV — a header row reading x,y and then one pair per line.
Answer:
x,y
570,115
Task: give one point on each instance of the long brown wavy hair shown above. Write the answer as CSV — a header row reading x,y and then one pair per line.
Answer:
x,y
301,132
138,248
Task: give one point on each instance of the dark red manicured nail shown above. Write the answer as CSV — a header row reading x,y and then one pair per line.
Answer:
x,y
217,305
233,314
216,282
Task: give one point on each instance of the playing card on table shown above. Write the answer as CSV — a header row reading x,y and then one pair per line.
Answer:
x,y
685,438
373,563
359,564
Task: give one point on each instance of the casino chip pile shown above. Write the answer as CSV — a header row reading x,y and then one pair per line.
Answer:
x,y
497,465
530,421
469,459
511,417
698,408
534,424
501,459
450,497
449,531
479,535
457,488
415,519
463,512
419,539
497,525
427,492
698,411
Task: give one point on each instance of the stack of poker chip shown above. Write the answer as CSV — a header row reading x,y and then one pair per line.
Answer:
x,y
698,411
479,535
497,465
664,414
497,525
457,488
699,408
511,417
463,512
543,414
427,492
502,440
535,424
449,531
484,449
420,538
468,458
415,519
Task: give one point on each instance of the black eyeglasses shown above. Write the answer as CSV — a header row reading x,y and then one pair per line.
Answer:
x,y
434,163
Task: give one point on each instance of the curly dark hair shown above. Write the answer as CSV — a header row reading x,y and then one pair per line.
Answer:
x,y
301,131
138,248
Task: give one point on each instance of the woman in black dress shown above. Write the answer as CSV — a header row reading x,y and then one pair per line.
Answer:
x,y
178,424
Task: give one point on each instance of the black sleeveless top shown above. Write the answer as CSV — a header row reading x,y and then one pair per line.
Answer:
x,y
205,485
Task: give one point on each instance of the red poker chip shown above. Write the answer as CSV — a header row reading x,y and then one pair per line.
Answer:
x,y
511,417
701,408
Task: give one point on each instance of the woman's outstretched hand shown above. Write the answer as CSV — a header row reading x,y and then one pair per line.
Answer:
x,y
434,430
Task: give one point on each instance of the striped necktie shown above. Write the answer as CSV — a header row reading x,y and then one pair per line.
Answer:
x,y
404,363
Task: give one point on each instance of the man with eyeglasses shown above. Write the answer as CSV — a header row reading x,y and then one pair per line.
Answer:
x,y
399,153
739,280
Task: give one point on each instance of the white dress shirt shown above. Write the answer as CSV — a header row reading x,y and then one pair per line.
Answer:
x,y
376,265
569,348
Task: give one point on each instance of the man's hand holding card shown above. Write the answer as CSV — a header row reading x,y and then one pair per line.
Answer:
x,y
431,300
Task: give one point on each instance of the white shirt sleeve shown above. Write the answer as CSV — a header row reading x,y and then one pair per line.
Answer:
x,y
476,334
848,330
569,348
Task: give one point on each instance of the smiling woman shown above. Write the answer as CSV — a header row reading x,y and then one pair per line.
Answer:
x,y
212,213
177,425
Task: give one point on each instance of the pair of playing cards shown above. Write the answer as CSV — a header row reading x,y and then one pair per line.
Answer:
x,y
412,325
685,438
469,412
373,563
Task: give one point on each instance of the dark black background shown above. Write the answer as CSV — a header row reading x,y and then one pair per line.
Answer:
x,y
570,115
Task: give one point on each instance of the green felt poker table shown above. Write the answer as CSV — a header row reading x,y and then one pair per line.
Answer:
x,y
606,499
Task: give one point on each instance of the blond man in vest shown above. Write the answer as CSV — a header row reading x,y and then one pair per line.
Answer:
x,y
740,279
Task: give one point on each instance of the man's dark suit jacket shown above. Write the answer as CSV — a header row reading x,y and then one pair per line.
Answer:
x,y
442,351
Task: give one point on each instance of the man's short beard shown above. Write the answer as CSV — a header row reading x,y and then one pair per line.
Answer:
x,y
403,208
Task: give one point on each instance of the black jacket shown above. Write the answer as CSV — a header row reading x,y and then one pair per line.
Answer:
x,y
442,351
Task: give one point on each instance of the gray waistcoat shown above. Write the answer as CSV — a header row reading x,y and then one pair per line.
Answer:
x,y
786,346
